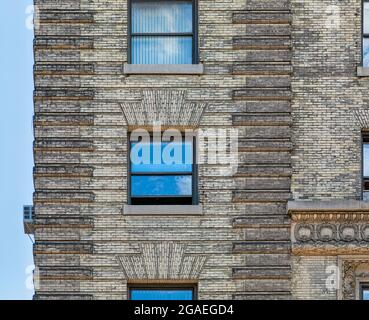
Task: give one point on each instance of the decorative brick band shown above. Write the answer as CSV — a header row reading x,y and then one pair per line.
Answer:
x,y
64,69
63,145
65,273
262,17
64,94
262,247
69,196
64,120
63,171
66,16
264,272
70,42
81,247
62,296
62,221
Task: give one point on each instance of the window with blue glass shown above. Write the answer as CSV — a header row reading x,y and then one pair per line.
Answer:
x,y
365,43
162,173
164,293
162,32
365,170
364,291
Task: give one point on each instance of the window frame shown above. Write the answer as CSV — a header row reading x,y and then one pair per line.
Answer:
x,y
364,286
364,140
194,33
164,286
363,35
193,174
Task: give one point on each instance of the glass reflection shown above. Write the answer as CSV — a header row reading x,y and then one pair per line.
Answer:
x,y
162,32
366,18
161,157
161,50
162,17
366,160
161,294
146,186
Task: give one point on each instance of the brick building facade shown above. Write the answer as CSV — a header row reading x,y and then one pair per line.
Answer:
x,y
288,223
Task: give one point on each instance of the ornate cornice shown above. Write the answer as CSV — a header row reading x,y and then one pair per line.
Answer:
x,y
335,210
329,250
329,216
329,227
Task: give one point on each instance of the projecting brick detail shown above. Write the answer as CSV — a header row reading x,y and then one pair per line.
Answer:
x,y
162,261
63,43
63,247
63,196
70,16
63,297
64,171
166,108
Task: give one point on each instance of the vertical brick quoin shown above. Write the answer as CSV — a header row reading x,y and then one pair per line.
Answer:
x,y
265,150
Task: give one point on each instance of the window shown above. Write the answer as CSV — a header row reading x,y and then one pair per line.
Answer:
x,y
162,173
162,32
365,46
162,293
366,167
364,291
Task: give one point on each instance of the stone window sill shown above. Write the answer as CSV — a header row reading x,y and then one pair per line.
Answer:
x,y
164,210
363,71
194,69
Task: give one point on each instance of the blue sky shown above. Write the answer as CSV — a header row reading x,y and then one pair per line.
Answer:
x,y
16,136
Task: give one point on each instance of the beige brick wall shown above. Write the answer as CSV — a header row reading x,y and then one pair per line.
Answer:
x,y
328,97
246,86
310,277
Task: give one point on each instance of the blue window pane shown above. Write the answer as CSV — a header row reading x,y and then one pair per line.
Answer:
x,y
164,157
146,186
162,50
366,17
162,17
366,160
161,294
365,294
366,52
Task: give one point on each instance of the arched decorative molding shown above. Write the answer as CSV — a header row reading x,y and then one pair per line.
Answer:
x,y
162,261
351,274
164,107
